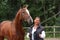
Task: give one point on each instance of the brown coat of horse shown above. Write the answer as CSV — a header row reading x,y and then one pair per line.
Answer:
x,y
13,30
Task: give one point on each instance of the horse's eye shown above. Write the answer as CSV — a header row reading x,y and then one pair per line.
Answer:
x,y
23,12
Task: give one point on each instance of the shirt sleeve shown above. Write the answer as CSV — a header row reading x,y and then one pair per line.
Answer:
x,y
42,35
27,35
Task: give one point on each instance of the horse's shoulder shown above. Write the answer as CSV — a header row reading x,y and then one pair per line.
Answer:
x,y
7,21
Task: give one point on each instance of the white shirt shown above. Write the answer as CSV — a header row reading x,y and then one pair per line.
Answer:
x,y
33,30
42,35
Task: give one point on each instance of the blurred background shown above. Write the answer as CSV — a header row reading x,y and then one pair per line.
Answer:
x,y
47,10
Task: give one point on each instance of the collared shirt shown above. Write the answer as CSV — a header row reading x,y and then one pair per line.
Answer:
x,y
33,30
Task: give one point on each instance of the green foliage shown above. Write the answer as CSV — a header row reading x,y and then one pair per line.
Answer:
x,y
43,8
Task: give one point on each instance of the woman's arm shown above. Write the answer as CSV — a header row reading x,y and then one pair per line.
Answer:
x,y
42,35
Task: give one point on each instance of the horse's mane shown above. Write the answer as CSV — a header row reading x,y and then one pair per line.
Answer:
x,y
13,29
18,21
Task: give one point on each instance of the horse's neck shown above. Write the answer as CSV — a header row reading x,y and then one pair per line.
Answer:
x,y
18,19
19,27
17,23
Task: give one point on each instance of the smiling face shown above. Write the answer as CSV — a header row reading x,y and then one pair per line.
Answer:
x,y
37,21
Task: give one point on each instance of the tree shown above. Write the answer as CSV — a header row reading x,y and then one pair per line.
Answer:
x,y
43,8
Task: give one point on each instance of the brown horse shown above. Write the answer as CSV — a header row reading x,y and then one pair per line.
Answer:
x,y
13,30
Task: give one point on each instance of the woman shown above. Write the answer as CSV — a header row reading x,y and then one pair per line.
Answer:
x,y
36,31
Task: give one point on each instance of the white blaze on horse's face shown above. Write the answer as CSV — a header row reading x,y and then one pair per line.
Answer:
x,y
29,20
27,16
27,11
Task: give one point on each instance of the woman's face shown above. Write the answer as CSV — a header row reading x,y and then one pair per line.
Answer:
x,y
37,21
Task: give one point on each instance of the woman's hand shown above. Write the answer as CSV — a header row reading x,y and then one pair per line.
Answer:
x,y
42,35
27,35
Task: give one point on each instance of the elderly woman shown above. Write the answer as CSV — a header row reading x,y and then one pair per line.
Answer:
x,y
36,31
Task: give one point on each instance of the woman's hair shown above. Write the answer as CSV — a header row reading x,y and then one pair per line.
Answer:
x,y
37,17
23,6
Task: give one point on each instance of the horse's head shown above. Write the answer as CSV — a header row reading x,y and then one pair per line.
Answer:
x,y
26,15
23,14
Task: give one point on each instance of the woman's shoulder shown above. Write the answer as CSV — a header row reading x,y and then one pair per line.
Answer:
x,y
40,26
